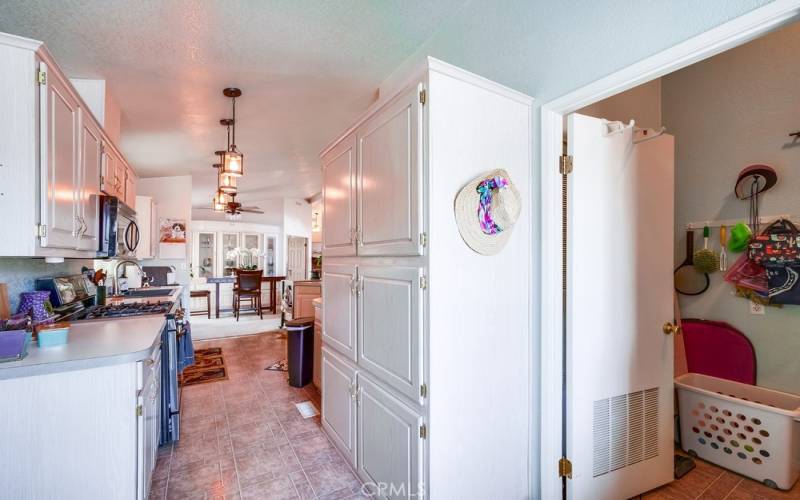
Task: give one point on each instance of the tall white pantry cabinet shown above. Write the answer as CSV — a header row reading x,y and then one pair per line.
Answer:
x,y
426,366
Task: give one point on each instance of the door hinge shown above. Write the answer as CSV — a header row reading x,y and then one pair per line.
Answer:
x,y
423,431
423,96
138,410
423,282
423,391
423,239
41,230
41,77
565,468
565,164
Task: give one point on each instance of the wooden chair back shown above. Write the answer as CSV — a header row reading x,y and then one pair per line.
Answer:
x,y
248,281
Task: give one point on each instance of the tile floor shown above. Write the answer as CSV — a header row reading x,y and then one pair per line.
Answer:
x,y
709,482
243,438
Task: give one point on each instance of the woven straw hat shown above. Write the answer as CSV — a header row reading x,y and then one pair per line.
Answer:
x,y
505,209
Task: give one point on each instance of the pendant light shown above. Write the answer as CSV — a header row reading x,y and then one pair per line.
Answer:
x,y
232,159
220,202
225,183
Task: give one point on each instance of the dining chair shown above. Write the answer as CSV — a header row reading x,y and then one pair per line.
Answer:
x,y
248,287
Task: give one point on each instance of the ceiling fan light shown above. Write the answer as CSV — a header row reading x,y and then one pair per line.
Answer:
x,y
232,163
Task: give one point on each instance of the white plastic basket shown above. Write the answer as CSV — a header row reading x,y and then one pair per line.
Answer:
x,y
744,428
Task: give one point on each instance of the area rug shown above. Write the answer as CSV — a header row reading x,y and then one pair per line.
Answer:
x,y
209,366
280,366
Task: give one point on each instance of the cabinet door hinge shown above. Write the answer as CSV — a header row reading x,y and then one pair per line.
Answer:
x,y
423,431
565,164
565,468
423,97
138,410
423,239
423,282
423,391
41,230
41,77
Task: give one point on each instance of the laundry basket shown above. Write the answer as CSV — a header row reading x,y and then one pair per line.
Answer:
x,y
744,428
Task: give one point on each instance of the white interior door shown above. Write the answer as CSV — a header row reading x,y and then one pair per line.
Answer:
x,y
296,258
619,361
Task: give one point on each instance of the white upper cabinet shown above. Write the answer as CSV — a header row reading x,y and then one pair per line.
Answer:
x,y
339,195
55,155
339,314
91,144
390,326
59,163
389,178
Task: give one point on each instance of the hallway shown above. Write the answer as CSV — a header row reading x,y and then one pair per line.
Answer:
x,y
243,438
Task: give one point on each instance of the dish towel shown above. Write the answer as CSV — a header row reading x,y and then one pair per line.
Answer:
x,y
185,348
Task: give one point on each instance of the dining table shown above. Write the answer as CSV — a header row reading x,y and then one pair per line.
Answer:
x,y
273,281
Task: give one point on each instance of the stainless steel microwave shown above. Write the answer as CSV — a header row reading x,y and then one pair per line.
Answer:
x,y
119,233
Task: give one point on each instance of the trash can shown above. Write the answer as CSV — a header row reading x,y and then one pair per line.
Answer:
x,y
300,355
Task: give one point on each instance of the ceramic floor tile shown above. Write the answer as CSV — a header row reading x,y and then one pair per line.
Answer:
x,y
722,487
280,488
244,438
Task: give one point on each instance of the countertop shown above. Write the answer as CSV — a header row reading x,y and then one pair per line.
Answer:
x,y
94,343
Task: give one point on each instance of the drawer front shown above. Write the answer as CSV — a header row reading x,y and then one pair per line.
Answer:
x,y
339,403
389,444
339,311
390,326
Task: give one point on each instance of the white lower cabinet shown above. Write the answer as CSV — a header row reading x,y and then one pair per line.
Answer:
x,y
390,326
148,423
390,444
339,403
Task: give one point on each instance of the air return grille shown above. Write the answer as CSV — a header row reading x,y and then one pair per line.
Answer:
x,y
625,430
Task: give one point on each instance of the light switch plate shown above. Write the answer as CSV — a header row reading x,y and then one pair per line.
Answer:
x,y
756,308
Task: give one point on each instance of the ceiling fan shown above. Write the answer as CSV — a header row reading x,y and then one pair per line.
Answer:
x,y
233,207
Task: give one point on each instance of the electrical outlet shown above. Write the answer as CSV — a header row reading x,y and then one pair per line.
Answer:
x,y
756,308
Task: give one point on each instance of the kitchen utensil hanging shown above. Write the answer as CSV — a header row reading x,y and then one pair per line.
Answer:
x,y
688,281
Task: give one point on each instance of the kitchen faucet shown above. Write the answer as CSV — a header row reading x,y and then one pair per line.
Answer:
x,y
115,274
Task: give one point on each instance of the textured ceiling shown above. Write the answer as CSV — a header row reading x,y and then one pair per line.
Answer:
x,y
306,69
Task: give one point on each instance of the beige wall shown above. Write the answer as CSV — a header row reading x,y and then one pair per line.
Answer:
x,y
642,104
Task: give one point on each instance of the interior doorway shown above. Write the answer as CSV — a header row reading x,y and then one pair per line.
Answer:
x,y
296,258
569,459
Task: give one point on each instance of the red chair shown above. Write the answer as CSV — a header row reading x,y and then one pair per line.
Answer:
x,y
247,287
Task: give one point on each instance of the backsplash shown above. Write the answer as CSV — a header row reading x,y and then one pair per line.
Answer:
x,y
20,273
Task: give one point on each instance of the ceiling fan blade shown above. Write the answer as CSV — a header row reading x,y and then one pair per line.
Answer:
x,y
202,208
249,208
251,211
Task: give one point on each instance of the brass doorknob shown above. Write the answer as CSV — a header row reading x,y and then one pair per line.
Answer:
x,y
669,328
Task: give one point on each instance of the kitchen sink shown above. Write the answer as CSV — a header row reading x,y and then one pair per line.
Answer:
x,y
149,292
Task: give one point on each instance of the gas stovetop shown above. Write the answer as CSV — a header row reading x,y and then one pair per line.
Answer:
x,y
124,310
